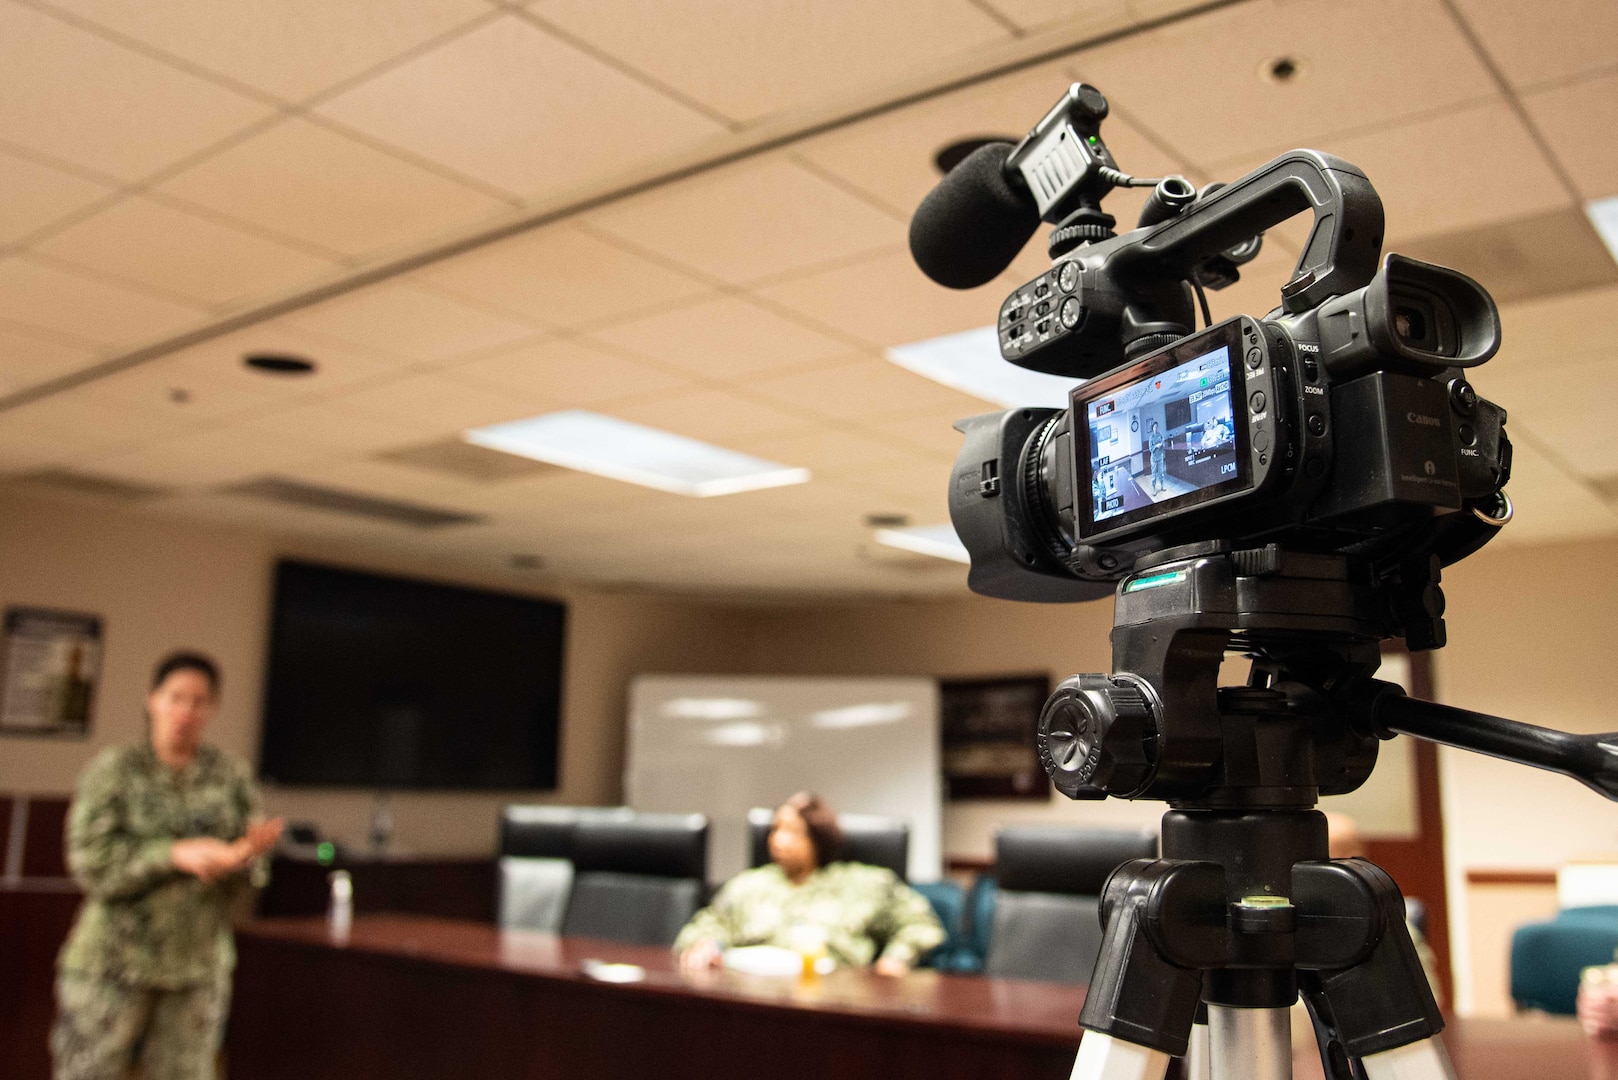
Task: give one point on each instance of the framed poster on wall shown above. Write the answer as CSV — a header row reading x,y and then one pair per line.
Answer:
x,y
50,662
988,728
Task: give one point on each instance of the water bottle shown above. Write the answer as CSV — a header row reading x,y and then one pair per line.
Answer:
x,y
341,912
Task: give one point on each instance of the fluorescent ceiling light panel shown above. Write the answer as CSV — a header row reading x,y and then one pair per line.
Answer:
x,y
938,541
592,443
1603,214
713,708
970,362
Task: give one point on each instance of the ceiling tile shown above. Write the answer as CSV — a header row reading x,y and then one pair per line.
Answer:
x,y
175,395
725,338
182,254
81,99
1364,63
566,373
562,277
70,427
832,454
28,357
289,48
204,459
1427,173
434,405
1580,121
337,363
746,60
36,195
487,105
1540,337
1562,412
409,321
891,157
332,426
305,181
885,300
1040,14
52,298
865,389
932,432
757,219
713,416
1535,43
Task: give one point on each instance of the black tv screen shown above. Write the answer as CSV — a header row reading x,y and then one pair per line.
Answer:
x,y
385,682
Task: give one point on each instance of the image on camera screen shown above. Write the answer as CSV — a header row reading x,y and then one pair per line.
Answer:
x,y
1162,437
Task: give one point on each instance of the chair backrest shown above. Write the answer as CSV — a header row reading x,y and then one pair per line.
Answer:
x,y
536,861
867,838
1045,913
636,878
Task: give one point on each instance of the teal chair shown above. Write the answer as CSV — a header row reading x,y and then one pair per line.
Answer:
x,y
1547,957
949,904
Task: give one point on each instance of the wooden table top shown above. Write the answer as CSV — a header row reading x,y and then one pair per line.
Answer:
x,y
1023,1010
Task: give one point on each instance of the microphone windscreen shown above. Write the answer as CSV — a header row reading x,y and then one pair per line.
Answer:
x,y
974,222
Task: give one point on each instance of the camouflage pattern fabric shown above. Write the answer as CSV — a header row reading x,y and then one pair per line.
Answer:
x,y
861,908
102,1025
143,922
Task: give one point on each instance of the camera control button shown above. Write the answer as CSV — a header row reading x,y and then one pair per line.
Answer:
x,y
1317,424
1261,439
1314,468
1468,434
1068,277
1257,401
1070,311
1254,359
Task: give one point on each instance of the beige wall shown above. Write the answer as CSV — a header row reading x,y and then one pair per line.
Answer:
x,y
159,585
1533,637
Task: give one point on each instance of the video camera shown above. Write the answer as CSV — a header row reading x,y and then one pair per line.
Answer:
x,y
1340,422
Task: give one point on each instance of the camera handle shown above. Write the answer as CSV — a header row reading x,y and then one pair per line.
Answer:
x,y
1343,249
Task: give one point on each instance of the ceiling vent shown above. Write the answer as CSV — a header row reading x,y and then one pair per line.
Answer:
x,y
466,461
278,489
99,487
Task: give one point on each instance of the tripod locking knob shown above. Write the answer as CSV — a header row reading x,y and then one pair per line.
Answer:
x,y
1096,737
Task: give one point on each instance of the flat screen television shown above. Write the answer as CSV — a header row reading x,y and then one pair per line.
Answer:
x,y
385,682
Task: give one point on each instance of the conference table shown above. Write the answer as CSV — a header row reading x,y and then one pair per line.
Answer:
x,y
401,997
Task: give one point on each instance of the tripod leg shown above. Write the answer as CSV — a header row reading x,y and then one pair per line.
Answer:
x,y
1251,1044
1424,1060
1196,1054
1102,1057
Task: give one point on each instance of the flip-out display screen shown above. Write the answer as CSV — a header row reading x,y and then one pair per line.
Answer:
x,y
1165,439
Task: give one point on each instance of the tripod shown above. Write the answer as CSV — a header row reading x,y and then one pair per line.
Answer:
x,y
1205,949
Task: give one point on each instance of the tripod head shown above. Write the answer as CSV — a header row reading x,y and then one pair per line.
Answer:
x,y
1310,717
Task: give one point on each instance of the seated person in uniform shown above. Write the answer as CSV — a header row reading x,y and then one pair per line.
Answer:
x,y
859,909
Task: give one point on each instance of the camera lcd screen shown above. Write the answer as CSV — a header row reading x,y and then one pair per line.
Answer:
x,y
1166,438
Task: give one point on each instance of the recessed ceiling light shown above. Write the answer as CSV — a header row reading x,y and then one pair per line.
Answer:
x,y
1282,69
970,362
1603,214
527,562
279,363
887,521
938,541
619,450
179,395
958,151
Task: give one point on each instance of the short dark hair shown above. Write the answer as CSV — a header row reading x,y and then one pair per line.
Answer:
x,y
825,835
185,660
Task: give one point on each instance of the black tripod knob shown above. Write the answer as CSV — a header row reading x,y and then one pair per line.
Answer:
x,y
1095,737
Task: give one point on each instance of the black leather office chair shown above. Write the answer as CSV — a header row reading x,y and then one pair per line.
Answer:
x,y
1046,922
867,838
637,878
536,861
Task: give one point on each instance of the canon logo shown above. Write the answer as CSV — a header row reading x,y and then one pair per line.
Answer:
x,y
1424,421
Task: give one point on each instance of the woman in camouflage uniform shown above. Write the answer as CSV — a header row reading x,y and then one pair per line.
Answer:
x,y
857,908
164,837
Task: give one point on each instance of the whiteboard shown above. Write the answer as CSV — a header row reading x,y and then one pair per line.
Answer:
x,y
721,745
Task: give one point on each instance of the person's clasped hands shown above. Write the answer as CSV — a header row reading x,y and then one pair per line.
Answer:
x,y
209,859
1598,1002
